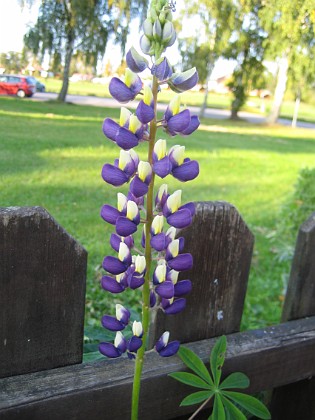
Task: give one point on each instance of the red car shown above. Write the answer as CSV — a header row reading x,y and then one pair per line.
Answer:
x,y
17,85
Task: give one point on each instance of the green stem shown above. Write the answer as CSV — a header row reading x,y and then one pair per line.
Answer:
x,y
148,258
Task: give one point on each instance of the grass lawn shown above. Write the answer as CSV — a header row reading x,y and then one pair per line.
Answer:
x,y
51,155
306,111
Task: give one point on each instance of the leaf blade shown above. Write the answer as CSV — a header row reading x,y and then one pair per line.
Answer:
x,y
218,412
190,379
235,380
196,398
194,363
251,404
217,357
233,411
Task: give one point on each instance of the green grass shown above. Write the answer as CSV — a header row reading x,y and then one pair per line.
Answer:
x,y
306,111
51,155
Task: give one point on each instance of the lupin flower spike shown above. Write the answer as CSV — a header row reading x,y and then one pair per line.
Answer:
x,y
161,211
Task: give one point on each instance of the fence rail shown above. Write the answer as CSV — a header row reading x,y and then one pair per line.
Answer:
x,y
42,287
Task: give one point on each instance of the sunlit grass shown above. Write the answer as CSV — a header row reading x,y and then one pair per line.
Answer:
x,y
52,154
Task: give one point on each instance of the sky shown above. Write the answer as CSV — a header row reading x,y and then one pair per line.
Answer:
x,y
14,22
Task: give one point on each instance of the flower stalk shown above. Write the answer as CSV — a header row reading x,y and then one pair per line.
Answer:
x,y
161,290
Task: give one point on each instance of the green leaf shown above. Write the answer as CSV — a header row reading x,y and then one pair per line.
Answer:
x,y
251,404
190,379
235,380
194,363
196,398
233,412
218,412
217,359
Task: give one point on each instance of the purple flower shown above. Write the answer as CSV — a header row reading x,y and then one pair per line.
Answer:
x,y
164,348
162,69
118,265
116,349
173,306
182,262
145,109
122,170
119,322
179,122
182,169
135,61
180,82
115,284
140,183
126,91
161,162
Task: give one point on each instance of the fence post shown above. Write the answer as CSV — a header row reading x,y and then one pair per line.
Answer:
x,y
42,292
221,245
296,401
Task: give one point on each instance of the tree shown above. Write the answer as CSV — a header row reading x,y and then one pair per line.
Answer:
x,y
12,62
247,49
291,28
217,19
66,26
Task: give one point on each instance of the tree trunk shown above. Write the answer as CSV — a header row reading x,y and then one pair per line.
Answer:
x,y
205,98
65,82
296,109
280,90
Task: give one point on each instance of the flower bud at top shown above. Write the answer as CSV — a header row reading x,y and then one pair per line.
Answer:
x,y
157,30
168,32
148,28
145,45
135,61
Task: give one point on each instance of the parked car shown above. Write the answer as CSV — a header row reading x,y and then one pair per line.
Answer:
x,y
21,86
40,87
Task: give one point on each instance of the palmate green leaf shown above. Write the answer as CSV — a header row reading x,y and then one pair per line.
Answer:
x,y
235,380
190,379
218,412
194,363
232,412
196,398
251,404
217,359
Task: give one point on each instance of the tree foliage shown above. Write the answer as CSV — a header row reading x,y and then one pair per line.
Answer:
x,y
64,27
290,25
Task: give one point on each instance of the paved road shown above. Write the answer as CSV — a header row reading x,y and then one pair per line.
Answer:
x,y
210,113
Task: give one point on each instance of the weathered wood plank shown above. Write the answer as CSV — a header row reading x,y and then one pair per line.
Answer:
x,y
274,356
296,401
300,297
42,292
221,245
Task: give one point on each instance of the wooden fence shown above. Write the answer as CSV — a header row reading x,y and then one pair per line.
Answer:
x,y
42,292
